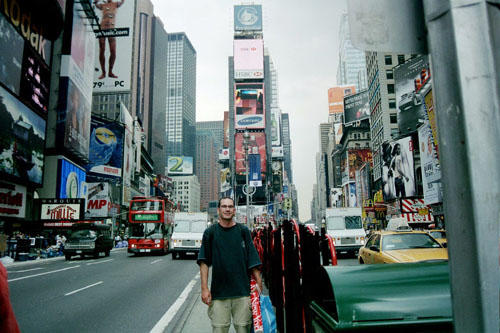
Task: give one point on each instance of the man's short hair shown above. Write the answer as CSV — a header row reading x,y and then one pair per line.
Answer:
x,y
218,205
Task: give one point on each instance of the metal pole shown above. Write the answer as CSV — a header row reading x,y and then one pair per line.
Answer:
x,y
463,40
246,136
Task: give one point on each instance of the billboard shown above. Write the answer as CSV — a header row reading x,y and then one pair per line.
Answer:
x,y
408,79
61,209
254,171
256,145
70,180
431,115
338,132
429,164
249,106
276,127
226,129
23,71
398,177
98,202
113,61
336,99
248,58
223,154
225,179
23,140
356,107
73,123
248,18
106,148
358,158
12,200
180,165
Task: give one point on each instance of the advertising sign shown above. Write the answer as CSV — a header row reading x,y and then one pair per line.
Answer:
x,y
114,48
226,129
408,78
431,114
358,158
429,164
254,172
248,59
249,106
74,117
71,180
277,152
338,132
128,153
336,99
106,148
256,145
356,108
276,127
23,139
12,200
225,179
223,154
180,165
61,209
398,178
248,17
98,202
352,195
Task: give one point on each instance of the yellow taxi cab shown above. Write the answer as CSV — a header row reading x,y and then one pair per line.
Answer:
x,y
439,235
386,247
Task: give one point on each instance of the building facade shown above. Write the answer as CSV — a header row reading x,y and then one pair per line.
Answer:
x,y
187,193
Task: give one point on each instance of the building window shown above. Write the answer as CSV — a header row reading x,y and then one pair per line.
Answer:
x,y
389,74
392,103
388,60
394,118
401,59
390,89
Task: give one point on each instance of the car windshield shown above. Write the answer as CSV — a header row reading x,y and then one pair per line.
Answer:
x,y
335,223
146,230
438,234
83,234
408,241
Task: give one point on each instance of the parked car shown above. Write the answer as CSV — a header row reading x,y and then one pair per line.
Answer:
x,y
439,235
384,247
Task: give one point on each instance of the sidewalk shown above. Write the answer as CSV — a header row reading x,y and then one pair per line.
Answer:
x,y
195,317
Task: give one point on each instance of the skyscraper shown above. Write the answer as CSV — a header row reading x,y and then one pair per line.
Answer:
x,y
352,62
209,137
287,145
181,96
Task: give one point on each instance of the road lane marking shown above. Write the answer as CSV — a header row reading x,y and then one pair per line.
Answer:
x,y
154,262
25,270
45,273
98,262
90,286
172,311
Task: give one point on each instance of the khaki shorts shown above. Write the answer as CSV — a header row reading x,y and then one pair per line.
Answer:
x,y
221,310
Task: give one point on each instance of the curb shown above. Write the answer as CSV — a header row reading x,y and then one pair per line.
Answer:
x,y
186,314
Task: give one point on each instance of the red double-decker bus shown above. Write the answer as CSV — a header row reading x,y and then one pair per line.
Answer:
x,y
150,225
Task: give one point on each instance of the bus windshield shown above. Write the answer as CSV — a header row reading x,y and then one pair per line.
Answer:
x,y
147,230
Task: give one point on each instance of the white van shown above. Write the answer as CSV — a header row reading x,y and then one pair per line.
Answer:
x,y
346,228
188,233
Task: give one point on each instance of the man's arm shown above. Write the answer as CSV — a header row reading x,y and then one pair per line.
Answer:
x,y
256,275
120,3
206,295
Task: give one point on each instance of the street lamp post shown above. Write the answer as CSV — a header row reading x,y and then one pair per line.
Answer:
x,y
246,136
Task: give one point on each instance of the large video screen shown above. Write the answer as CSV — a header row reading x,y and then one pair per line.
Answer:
x,y
23,139
256,145
249,106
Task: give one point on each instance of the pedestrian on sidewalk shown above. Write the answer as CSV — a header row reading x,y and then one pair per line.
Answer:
x,y
8,322
227,247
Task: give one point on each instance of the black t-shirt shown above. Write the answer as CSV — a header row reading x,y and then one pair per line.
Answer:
x,y
231,253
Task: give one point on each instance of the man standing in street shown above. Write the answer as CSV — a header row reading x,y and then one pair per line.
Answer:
x,y
227,247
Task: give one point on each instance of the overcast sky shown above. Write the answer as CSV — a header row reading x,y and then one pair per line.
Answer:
x,y
303,39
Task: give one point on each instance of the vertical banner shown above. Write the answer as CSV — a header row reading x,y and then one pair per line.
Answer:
x,y
431,172
254,176
398,177
276,127
225,179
